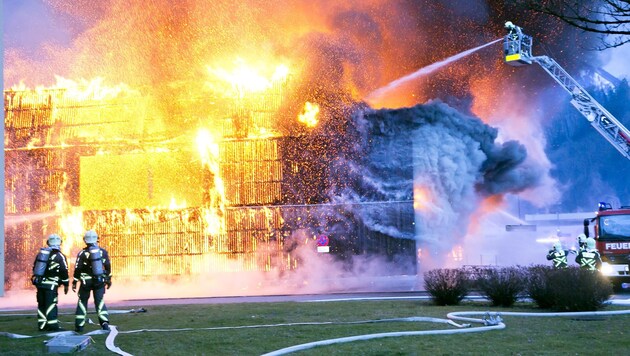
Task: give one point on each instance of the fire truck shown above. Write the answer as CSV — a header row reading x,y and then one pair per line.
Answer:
x,y
611,228
611,231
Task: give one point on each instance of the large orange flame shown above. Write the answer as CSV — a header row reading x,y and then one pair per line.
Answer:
x,y
308,116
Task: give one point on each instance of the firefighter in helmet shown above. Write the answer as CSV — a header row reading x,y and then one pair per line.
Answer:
x,y
589,258
93,270
513,31
581,242
50,270
558,256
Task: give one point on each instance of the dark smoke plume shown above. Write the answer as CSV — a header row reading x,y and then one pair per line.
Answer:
x,y
433,150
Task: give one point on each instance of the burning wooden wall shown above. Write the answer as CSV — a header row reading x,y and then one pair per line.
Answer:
x,y
110,163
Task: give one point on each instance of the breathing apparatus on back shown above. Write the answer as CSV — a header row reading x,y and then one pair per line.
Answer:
x,y
96,261
41,260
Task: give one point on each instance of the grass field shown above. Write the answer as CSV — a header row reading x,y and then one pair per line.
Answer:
x,y
232,329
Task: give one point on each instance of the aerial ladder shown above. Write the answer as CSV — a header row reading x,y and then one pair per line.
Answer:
x,y
517,48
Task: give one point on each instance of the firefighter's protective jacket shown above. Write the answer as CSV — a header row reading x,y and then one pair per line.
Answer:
x,y
83,268
559,258
589,259
56,271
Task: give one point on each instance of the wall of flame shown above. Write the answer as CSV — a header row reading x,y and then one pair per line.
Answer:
x,y
215,198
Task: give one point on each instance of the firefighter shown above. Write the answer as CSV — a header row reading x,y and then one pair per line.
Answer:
x,y
581,242
93,270
50,270
514,31
558,256
589,258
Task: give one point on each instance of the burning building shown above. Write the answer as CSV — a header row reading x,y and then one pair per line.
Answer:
x,y
234,195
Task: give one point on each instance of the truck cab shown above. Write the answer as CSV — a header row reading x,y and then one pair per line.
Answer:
x,y
611,231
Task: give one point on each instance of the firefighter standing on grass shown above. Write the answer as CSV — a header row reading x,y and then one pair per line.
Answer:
x,y
558,256
50,270
93,270
589,258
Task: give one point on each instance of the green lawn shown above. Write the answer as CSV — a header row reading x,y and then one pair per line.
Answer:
x,y
523,335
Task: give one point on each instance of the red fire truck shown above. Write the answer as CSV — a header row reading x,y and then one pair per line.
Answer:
x,y
611,231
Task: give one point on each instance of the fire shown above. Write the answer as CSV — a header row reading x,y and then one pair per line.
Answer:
x,y
487,206
81,90
245,79
213,214
215,224
208,148
421,198
174,205
250,96
91,90
457,253
71,226
111,129
308,116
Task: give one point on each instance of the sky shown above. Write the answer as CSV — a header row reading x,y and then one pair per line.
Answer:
x,y
618,61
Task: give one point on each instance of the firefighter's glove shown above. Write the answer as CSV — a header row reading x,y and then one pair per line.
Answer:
x,y
35,280
74,286
65,289
108,283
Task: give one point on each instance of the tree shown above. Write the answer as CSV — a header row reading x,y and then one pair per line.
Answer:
x,y
609,18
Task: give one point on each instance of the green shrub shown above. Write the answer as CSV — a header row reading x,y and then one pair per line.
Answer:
x,y
446,286
537,285
576,289
568,289
502,286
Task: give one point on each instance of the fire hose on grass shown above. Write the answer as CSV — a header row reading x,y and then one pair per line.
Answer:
x,y
461,320
490,321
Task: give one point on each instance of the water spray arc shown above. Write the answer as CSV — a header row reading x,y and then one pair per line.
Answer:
x,y
424,71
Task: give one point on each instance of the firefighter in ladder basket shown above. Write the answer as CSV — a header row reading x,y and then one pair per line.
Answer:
x,y
50,270
93,270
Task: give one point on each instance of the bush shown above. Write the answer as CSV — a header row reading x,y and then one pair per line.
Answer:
x,y
576,289
568,289
446,286
537,285
502,286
